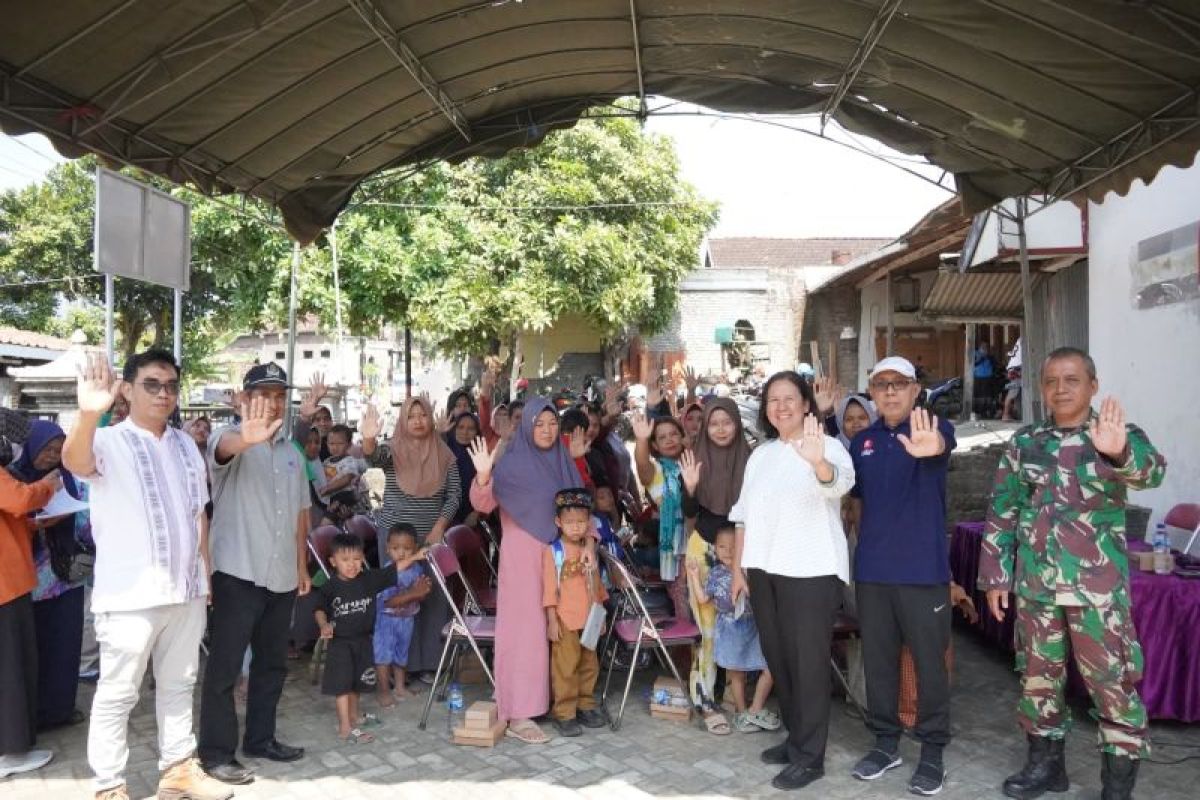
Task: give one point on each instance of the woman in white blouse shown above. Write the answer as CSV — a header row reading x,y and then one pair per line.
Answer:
x,y
791,559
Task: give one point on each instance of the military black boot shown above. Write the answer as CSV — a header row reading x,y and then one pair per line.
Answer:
x,y
1045,770
1118,774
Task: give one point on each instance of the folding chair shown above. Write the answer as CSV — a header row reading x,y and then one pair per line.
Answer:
x,y
467,543
319,542
365,529
463,629
493,542
642,630
845,628
1187,517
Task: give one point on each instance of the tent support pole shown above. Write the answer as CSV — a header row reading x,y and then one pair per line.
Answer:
x,y
177,333
1028,369
110,302
291,342
408,363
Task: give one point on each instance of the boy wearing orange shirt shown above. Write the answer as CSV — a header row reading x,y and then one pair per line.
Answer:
x,y
567,600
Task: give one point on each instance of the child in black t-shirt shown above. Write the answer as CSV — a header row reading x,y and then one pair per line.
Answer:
x,y
346,617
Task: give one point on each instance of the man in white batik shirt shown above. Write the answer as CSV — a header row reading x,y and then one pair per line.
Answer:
x,y
147,490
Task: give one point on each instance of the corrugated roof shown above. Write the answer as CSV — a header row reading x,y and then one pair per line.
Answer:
x,y
20,338
977,296
757,252
298,101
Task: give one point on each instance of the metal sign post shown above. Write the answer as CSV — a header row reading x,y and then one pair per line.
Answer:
x,y
291,343
1028,369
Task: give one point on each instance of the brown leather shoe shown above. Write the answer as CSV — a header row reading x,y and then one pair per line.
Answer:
x,y
115,793
185,780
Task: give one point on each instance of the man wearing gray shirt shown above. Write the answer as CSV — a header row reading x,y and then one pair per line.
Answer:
x,y
259,560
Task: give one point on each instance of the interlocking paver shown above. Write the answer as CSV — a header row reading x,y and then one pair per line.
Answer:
x,y
646,758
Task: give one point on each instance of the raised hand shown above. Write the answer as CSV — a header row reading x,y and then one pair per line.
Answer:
x,y
370,425
643,428
1108,432
925,440
257,425
316,391
825,389
483,459
811,444
98,387
579,443
691,379
689,470
441,422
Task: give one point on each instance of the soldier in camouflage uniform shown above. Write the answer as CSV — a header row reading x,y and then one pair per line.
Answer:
x,y
1056,536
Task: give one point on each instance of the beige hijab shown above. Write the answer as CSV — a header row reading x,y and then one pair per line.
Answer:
x,y
421,463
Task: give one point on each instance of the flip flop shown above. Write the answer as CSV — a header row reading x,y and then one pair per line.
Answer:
x,y
766,719
357,736
716,724
528,732
369,721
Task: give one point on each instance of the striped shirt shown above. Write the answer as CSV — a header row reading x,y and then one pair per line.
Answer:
x,y
420,512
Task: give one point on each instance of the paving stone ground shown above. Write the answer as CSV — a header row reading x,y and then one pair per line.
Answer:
x,y
646,758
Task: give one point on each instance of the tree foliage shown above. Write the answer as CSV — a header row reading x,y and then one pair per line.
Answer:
x,y
595,221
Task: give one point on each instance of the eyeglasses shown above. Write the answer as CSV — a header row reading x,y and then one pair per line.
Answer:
x,y
891,386
156,387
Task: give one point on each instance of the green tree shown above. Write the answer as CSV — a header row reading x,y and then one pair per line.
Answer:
x,y
46,258
594,221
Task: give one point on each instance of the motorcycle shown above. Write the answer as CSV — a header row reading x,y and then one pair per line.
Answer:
x,y
945,399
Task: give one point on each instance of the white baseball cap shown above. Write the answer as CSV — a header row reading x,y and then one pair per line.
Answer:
x,y
895,364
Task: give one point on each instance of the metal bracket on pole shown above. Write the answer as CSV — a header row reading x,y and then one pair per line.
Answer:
x,y
871,38
637,61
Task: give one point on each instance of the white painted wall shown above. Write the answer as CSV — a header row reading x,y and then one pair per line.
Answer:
x,y
1149,359
1060,225
874,315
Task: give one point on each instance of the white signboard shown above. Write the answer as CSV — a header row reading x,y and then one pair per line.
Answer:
x,y
141,233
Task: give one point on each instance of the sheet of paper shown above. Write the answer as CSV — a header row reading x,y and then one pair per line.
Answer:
x,y
61,504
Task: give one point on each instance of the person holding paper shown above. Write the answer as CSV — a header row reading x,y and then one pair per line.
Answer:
x,y
58,597
18,655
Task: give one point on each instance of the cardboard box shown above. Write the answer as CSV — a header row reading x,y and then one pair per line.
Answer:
x,y
481,715
1145,560
470,671
487,737
674,713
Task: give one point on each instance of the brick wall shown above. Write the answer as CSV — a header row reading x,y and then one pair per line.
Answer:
x,y
825,315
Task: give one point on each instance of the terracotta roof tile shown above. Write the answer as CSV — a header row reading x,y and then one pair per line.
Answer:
x,y
20,338
756,252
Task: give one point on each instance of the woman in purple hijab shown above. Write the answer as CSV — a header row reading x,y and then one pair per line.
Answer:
x,y
522,484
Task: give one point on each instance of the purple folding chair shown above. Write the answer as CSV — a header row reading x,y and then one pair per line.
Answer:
x,y
462,630
641,630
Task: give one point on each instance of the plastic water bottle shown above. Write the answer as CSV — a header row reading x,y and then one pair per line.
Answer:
x,y
456,714
1162,550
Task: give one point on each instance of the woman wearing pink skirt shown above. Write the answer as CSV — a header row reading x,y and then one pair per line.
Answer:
x,y
535,465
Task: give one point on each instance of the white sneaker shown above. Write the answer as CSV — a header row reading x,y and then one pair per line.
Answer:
x,y
13,764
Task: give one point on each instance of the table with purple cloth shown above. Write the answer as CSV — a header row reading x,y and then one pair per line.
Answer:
x,y
1166,614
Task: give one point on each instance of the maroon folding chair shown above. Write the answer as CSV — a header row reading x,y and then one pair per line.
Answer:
x,y
365,529
320,540
845,629
639,631
493,542
463,630
467,544
1187,517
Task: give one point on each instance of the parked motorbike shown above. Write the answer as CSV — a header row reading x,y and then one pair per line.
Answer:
x,y
945,399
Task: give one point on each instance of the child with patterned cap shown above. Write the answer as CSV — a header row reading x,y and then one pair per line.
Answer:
x,y
570,587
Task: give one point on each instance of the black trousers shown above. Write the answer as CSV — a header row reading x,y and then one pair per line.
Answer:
x,y
59,625
795,626
891,615
18,677
243,615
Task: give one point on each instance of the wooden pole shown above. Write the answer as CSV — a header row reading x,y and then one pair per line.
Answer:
x,y
968,374
891,326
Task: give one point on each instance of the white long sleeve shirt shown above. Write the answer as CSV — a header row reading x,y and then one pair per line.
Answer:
x,y
793,521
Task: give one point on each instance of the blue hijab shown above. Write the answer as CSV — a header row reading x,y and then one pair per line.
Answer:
x,y
41,433
527,477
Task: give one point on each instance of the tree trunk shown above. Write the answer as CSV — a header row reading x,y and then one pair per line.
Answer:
x,y
517,359
131,327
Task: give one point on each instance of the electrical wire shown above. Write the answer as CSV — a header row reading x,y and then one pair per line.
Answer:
x,y
34,150
51,280
579,207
